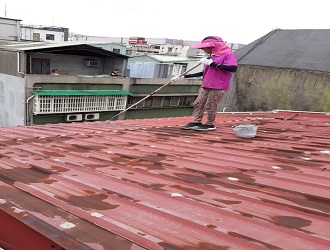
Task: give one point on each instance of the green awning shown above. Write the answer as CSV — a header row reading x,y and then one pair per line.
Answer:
x,y
82,92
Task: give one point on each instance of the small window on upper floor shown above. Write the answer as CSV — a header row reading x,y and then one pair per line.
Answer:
x,y
116,51
50,37
36,36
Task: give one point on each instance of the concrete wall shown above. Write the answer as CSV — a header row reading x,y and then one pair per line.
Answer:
x,y
12,100
255,88
8,62
10,29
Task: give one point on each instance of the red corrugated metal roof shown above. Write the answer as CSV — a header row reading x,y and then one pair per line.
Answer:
x,y
136,184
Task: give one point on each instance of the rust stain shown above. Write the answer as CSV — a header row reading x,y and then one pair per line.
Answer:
x,y
36,140
51,154
199,246
94,166
157,186
94,201
288,167
291,222
129,144
76,148
307,202
58,138
149,162
211,226
26,175
209,179
120,195
228,202
268,246
196,179
300,162
241,176
247,215
59,169
10,143
88,191
188,190
280,152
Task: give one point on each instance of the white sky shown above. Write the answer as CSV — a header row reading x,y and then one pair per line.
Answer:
x,y
239,21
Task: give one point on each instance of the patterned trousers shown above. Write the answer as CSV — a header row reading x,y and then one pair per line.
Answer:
x,y
208,100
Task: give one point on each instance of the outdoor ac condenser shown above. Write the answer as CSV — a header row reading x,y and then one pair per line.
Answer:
x,y
91,63
74,117
92,116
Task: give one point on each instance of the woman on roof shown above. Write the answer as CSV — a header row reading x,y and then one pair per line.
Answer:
x,y
216,75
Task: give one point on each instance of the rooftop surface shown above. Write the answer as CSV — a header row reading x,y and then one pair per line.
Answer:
x,y
147,184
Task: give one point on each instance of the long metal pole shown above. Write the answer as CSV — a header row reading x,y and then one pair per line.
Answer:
x,y
184,73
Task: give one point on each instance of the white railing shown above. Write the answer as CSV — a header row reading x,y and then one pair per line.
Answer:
x,y
50,104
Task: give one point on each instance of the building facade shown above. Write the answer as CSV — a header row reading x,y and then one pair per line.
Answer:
x,y
39,33
81,88
10,29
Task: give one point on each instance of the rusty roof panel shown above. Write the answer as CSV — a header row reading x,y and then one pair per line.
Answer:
x,y
147,184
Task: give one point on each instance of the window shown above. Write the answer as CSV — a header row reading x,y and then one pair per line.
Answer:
x,y
175,101
157,101
40,66
36,36
116,51
166,101
50,37
148,103
162,102
187,101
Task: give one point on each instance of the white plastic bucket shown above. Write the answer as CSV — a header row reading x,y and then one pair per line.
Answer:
x,y
245,130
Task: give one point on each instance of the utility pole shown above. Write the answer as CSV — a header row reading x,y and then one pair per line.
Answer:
x,y
5,10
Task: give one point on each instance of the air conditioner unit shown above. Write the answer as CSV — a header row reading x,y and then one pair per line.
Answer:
x,y
92,116
92,63
74,117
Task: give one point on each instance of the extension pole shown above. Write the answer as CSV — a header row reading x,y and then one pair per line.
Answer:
x,y
184,73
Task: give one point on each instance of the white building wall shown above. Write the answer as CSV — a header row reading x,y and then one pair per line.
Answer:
x,y
9,29
12,100
27,34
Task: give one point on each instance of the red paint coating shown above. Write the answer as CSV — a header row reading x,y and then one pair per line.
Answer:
x,y
271,191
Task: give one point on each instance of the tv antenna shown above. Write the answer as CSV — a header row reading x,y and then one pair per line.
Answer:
x,y
5,10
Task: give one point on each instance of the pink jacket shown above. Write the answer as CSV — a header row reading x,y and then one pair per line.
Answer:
x,y
214,78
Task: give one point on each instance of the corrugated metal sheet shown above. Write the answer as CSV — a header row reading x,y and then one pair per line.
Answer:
x,y
46,45
136,184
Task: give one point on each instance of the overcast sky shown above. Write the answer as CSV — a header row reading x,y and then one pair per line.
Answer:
x,y
238,21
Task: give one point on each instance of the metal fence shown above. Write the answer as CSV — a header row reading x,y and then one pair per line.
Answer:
x,y
48,104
